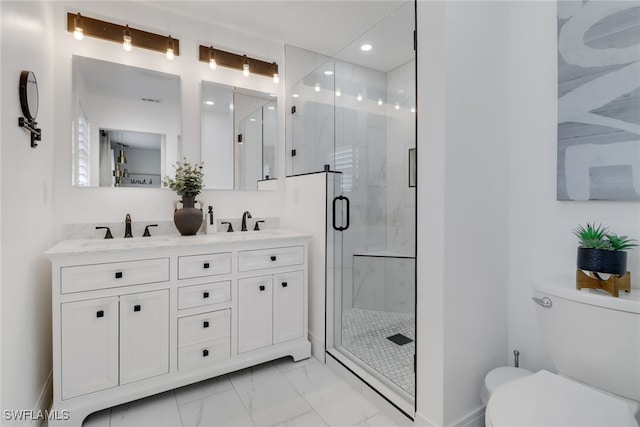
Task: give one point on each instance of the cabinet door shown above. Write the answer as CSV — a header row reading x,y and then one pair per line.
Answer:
x,y
255,312
288,307
89,332
144,335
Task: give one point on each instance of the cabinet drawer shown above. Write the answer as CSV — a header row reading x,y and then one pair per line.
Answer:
x,y
269,258
204,265
196,355
204,327
113,274
206,294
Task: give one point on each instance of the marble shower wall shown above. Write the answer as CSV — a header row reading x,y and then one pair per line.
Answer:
x,y
401,136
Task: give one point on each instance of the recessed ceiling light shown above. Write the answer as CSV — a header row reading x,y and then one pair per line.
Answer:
x,y
328,73
295,95
209,102
366,47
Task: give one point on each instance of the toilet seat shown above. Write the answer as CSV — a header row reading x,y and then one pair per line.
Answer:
x,y
546,399
498,376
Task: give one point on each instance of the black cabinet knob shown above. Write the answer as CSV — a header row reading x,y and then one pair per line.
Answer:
x,y
205,295
206,265
205,324
100,313
262,287
285,284
205,353
137,307
118,274
273,258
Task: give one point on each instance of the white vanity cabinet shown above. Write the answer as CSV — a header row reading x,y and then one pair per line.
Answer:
x,y
136,317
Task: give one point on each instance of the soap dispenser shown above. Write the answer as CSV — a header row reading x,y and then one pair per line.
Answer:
x,y
209,222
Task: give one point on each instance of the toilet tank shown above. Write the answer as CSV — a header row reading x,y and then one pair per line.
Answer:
x,y
592,336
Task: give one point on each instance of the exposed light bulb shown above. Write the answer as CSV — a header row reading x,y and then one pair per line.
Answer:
x,y
126,40
397,106
245,70
170,53
380,101
359,97
209,102
295,95
276,78
317,87
413,109
212,60
78,31
338,92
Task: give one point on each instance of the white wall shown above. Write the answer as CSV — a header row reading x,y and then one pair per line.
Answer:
x,y
540,241
462,205
78,205
26,225
487,82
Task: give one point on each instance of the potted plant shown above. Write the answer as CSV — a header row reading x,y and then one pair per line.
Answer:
x,y
188,184
601,251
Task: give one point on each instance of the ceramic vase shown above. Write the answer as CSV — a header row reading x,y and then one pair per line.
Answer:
x,y
188,219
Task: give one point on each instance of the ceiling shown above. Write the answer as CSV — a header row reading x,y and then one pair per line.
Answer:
x,y
325,27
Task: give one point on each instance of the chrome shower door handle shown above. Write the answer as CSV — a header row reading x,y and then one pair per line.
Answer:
x,y
544,301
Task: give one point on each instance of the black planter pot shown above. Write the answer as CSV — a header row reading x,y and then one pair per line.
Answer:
x,y
602,261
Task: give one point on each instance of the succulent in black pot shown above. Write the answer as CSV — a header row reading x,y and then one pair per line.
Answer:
x,y
601,251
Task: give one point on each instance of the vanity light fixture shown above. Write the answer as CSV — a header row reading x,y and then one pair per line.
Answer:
x,y
220,58
124,35
126,40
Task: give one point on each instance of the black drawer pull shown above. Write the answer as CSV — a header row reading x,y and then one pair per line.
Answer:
x,y
206,265
118,274
205,324
205,353
137,307
100,313
273,258
205,295
262,287
284,284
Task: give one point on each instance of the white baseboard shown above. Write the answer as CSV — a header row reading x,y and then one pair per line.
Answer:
x,y
44,400
317,348
474,419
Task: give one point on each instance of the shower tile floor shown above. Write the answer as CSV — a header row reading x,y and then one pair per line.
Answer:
x,y
364,334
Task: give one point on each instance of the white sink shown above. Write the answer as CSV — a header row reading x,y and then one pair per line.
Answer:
x,y
122,243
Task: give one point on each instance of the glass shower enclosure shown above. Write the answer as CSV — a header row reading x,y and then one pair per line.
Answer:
x,y
355,116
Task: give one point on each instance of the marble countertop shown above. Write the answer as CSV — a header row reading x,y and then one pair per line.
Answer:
x,y
85,246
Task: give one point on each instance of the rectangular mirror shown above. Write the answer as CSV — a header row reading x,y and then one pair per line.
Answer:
x,y
126,124
239,138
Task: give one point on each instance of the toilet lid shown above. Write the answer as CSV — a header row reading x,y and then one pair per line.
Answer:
x,y
546,399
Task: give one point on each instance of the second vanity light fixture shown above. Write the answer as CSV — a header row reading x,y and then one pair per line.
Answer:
x,y
216,57
129,37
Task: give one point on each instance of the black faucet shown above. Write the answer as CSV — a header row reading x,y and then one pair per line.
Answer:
x,y
245,215
127,226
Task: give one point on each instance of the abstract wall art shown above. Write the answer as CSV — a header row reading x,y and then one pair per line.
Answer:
x,y
598,100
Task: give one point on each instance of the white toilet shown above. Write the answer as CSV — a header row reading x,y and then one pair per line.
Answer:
x,y
594,341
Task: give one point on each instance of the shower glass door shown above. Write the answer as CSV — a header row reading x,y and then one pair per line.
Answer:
x,y
374,223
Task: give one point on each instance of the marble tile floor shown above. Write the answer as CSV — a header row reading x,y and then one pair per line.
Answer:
x,y
281,393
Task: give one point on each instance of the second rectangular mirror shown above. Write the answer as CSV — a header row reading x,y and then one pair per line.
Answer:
x,y
239,138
